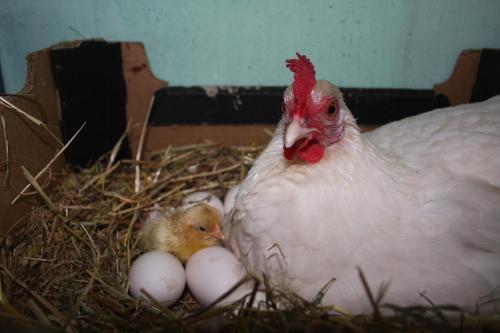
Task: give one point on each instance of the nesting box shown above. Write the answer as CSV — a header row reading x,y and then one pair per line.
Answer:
x,y
82,98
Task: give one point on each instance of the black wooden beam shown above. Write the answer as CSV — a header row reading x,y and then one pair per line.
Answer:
x,y
243,105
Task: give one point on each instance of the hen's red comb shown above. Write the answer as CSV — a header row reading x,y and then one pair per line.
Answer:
x,y
303,78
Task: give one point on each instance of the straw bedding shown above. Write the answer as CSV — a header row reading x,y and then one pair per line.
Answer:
x,y
64,266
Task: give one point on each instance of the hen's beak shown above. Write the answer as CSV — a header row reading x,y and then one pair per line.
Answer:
x,y
296,131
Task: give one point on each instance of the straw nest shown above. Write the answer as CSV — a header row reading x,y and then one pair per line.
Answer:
x,y
65,266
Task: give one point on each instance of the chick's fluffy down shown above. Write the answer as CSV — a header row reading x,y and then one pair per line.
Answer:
x,y
183,232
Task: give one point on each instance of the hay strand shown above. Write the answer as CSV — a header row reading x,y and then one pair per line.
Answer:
x,y
6,149
34,120
56,156
140,146
37,186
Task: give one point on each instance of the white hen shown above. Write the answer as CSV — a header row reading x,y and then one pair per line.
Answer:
x,y
415,203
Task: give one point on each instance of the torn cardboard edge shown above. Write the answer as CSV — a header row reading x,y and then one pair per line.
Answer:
x,y
30,145
458,87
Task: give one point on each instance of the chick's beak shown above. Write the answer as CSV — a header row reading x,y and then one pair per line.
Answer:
x,y
295,131
217,233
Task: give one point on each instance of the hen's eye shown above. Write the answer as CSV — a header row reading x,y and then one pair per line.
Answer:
x,y
332,109
201,228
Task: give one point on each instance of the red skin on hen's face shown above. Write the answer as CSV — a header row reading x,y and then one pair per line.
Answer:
x,y
312,114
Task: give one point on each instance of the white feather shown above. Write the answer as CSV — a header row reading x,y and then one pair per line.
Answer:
x,y
415,204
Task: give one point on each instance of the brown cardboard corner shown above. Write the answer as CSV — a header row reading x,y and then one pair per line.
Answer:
x,y
458,87
29,145
141,85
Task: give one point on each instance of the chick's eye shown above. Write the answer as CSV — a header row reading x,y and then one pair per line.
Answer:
x,y
332,109
201,228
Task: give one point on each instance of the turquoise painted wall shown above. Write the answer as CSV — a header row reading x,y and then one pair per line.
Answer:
x,y
383,43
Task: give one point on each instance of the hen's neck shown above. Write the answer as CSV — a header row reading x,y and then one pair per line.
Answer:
x,y
376,185
364,179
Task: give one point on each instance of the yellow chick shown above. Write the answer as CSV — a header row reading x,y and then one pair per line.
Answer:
x,y
184,231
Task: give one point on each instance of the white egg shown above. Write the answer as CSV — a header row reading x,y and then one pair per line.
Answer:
x,y
213,271
206,197
229,198
160,274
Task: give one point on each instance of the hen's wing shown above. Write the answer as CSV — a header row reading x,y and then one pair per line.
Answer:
x,y
464,139
457,152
